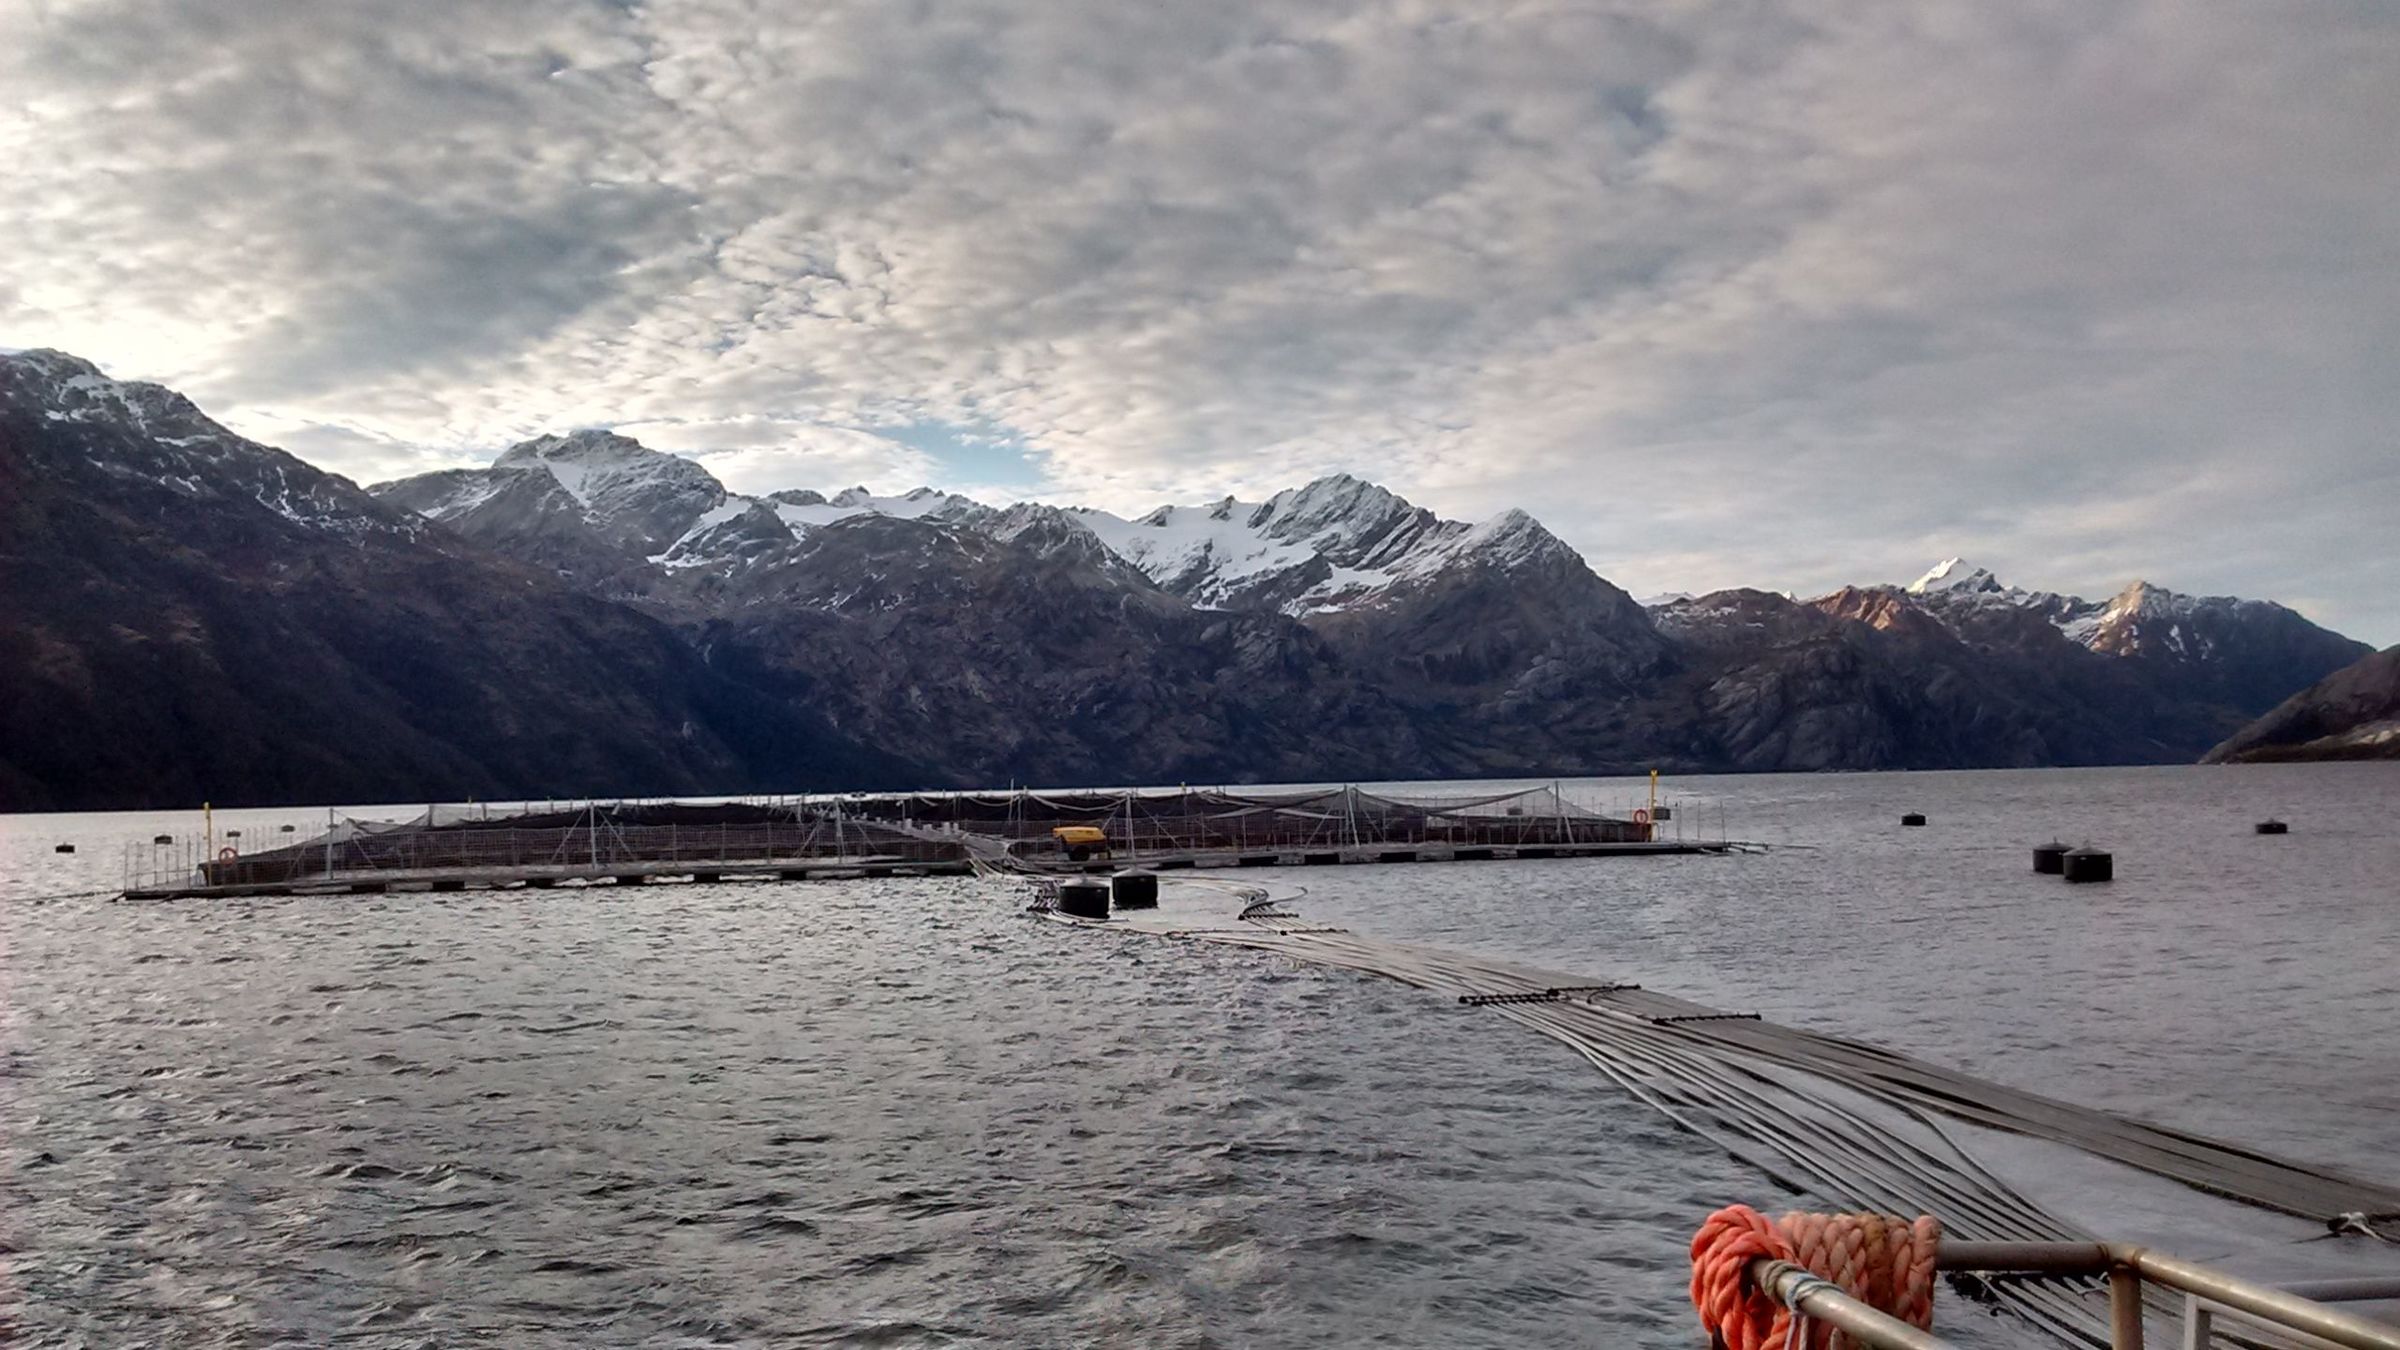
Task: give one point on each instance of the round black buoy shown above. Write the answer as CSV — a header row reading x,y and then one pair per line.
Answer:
x,y
2088,864
1913,818
1134,890
162,839
2050,859
1663,813
2273,826
64,848
1084,899
286,829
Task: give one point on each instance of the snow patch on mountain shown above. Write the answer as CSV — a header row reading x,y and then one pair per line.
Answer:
x,y
1511,537
70,389
2142,619
739,533
732,508
148,431
451,493
669,509
1333,544
1207,554
803,510
2153,618
1955,591
2374,733
632,492
1329,545
1957,576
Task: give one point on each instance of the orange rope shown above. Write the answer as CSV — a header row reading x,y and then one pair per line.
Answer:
x,y
1881,1260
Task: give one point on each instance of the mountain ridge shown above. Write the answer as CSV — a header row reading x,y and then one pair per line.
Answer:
x,y
1487,622
1303,549
186,615
740,642
2354,713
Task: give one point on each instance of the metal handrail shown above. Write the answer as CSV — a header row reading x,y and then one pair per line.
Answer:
x,y
1821,1300
2125,1265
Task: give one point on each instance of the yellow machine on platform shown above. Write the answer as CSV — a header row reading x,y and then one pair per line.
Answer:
x,y
1082,841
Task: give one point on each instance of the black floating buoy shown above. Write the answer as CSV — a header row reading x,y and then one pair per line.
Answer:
x,y
1913,818
2088,864
64,848
1134,890
162,839
2273,826
287,829
1083,899
1663,813
2050,859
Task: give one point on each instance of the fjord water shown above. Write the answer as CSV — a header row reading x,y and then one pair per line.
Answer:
x,y
899,1113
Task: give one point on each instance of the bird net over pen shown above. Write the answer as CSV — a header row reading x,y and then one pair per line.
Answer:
x,y
1201,819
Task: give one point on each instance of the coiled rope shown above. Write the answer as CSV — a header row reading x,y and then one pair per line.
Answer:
x,y
1881,1260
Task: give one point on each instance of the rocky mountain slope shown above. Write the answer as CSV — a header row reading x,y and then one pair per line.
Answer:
x,y
185,615
1967,670
1454,648
1500,649
2238,653
2353,713
1029,660
215,618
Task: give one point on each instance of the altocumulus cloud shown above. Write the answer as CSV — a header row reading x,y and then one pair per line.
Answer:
x,y
1728,293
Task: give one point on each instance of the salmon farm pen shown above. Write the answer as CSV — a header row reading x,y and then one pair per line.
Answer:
x,y
895,834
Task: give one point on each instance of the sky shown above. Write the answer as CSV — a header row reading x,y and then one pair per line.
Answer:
x,y
1726,293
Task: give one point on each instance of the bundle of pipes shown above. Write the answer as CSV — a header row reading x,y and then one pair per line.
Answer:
x,y
1850,1123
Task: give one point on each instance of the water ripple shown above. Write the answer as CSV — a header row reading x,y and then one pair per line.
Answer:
x,y
898,1114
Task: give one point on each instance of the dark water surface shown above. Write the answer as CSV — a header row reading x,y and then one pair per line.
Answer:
x,y
898,1113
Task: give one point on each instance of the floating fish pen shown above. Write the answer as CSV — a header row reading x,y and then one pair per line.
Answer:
x,y
1218,827
624,842
895,834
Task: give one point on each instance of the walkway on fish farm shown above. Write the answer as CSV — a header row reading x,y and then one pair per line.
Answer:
x,y
1856,1124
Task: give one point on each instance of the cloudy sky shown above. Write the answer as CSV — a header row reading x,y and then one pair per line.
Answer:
x,y
1726,293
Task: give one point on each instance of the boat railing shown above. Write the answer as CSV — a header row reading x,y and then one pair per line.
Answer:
x,y
2211,1298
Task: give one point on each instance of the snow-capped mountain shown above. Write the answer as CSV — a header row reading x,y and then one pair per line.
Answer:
x,y
1956,591
1498,616
633,495
189,610
187,615
1335,544
804,509
149,434
2245,650
1956,576
2144,619
611,511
